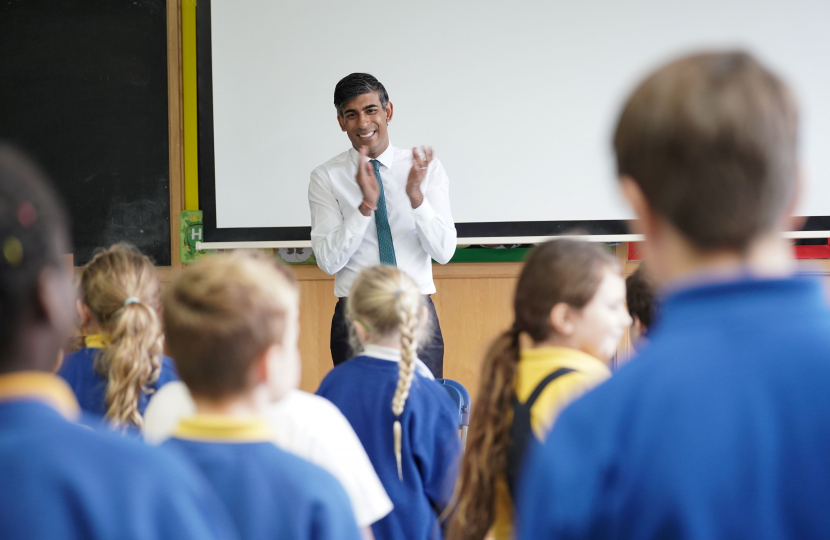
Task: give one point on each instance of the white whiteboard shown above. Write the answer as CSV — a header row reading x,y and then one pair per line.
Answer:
x,y
519,98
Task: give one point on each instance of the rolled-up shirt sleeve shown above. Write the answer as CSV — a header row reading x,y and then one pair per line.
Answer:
x,y
433,219
334,237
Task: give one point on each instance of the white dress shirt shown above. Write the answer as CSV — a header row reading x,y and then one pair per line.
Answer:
x,y
345,241
304,424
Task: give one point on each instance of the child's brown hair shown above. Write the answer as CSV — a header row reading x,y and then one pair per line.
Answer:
x,y
711,140
557,271
384,300
221,314
120,288
639,296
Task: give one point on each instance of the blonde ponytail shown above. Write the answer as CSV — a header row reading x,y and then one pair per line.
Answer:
x,y
132,360
121,290
388,300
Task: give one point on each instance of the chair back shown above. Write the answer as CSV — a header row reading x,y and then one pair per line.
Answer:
x,y
461,398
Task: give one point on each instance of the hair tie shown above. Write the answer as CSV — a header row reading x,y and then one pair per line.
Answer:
x,y
363,324
131,300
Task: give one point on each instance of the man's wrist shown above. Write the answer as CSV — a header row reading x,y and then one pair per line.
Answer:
x,y
416,200
365,209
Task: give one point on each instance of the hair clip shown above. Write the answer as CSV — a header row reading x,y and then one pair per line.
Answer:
x,y
26,214
13,251
131,300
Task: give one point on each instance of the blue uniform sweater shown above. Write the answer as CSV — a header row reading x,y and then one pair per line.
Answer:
x,y
90,387
362,388
719,429
61,481
271,494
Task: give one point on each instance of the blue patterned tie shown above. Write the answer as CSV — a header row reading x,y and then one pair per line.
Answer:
x,y
385,246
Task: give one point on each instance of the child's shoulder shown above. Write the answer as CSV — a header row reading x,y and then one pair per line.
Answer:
x,y
104,455
364,368
78,364
83,357
169,373
430,396
298,476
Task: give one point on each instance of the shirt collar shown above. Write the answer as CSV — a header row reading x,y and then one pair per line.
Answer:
x,y
96,341
386,158
220,428
384,353
40,386
394,355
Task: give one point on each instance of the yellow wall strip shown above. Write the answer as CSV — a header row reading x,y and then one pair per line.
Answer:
x,y
191,108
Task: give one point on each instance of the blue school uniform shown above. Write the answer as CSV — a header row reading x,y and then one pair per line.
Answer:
x,y
362,388
62,481
90,387
270,494
719,429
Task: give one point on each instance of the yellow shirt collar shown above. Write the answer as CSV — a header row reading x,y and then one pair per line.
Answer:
x,y
40,386
220,428
96,341
565,357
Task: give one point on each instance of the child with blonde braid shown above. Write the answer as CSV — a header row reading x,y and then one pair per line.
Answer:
x,y
121,362
413,444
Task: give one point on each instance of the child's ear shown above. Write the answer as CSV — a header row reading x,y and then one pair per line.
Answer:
x,y
793,222
646,222
84,314
362,333
261,371
562,319
280,370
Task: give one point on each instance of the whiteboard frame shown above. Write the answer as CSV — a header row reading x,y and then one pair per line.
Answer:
x,y
530,232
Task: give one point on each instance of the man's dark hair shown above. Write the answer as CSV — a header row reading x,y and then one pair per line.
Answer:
x,y
639,295
711,141
357,84
31,217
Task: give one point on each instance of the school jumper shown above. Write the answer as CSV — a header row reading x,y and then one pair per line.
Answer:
x,y
563,375
362,388
62,481
719,429
270,494
303,424
90,387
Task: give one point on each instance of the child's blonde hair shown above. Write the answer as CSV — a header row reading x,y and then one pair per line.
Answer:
x,y
221,314
385,300
121,289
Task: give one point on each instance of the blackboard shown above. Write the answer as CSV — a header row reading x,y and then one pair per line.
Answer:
x,y
83,90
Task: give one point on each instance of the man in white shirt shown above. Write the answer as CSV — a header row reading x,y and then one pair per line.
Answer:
x,y
378,204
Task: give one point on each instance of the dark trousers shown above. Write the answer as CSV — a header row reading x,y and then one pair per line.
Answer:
x,y
431,353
